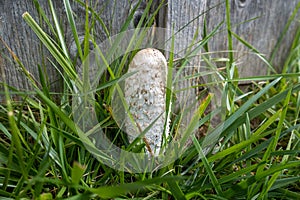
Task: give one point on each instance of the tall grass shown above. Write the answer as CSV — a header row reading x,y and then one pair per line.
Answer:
x,y
256,157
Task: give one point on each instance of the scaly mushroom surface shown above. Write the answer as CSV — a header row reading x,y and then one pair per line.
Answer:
x,y
145,94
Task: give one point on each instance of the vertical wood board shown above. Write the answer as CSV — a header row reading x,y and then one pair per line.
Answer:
x,y
260,23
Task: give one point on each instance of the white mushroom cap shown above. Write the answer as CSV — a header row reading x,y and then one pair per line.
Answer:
x,y
145,93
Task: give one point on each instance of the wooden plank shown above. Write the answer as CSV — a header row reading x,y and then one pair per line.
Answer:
x,y
185,19
262,33
23,42
270,18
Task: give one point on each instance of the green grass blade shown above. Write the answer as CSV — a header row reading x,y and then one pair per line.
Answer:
x,y
123,189
207,166
58,30
238,175
176,191
15,132
73,26
287,194
285,30
4,130
53,48
229,33
43,15
272,146
277,168
255,51
255,137
235,117
281,183
86,49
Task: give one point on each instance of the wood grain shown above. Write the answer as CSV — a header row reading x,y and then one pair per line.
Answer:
x,y
263,32
258,22
185,19
26,46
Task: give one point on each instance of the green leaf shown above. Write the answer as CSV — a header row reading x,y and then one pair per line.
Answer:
x,y
77,172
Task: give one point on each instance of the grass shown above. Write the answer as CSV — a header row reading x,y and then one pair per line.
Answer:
x,y
42,155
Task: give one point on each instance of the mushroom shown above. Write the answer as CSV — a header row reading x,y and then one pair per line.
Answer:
x,y
145,94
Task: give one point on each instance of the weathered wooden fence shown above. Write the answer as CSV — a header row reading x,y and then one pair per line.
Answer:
x,y
260,23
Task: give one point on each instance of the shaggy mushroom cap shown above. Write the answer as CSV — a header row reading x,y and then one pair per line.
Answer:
x,y
145,93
